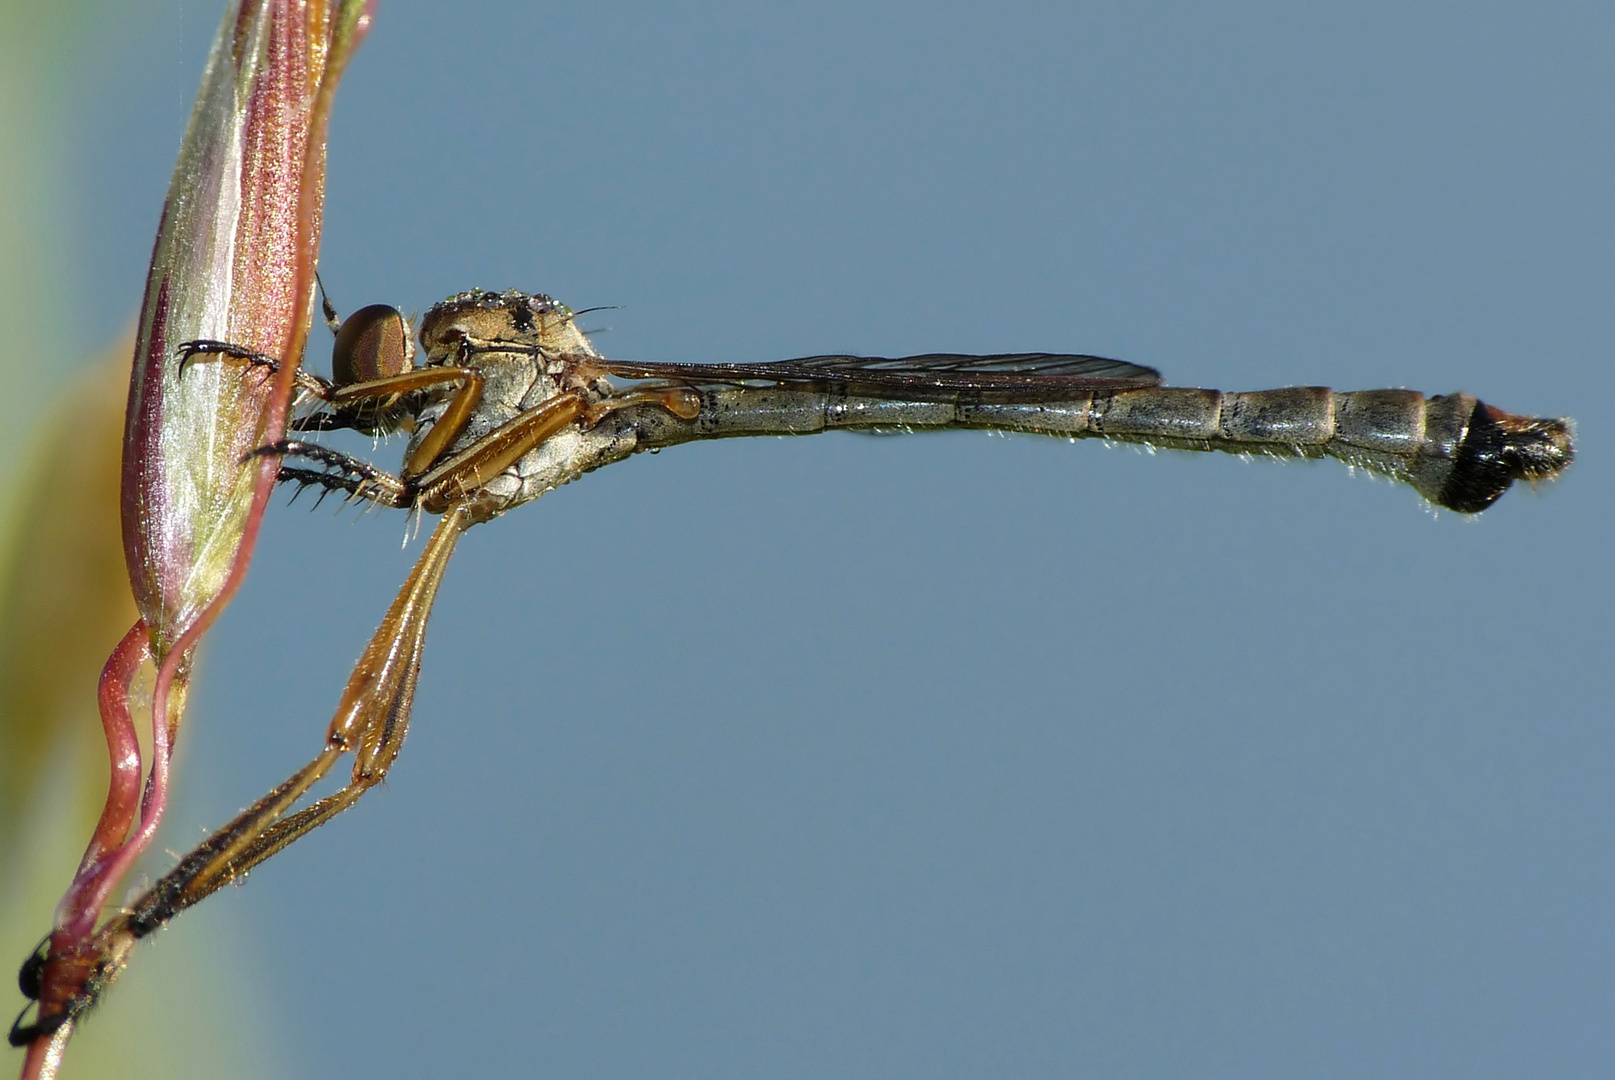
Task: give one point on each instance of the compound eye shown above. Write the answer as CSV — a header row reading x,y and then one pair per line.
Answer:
x,y
372,343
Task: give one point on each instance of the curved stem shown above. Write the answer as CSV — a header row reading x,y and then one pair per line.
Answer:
x,y
155,798
76,914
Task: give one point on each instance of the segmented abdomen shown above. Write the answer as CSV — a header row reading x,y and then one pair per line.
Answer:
x,y
1455,450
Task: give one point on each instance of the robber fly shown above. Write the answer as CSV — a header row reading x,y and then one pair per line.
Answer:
x,y
513,401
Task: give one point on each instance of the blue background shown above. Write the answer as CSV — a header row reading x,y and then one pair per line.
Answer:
x,y
949,755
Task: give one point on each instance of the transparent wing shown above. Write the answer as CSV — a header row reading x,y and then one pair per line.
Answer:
x,y
1019,374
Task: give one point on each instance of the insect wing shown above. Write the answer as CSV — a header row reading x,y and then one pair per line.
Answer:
x,y
1015,374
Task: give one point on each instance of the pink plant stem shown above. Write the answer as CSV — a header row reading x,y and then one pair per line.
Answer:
x,y
44,1056
76,914
155,800
97,875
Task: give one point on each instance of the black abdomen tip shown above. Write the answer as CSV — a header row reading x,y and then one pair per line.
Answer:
x,y
1499,448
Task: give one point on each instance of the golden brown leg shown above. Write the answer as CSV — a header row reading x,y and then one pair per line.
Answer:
x,y
442,435
371,720
457,477
682,402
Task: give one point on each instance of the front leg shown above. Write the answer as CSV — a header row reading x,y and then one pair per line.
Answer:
x,y
188,351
